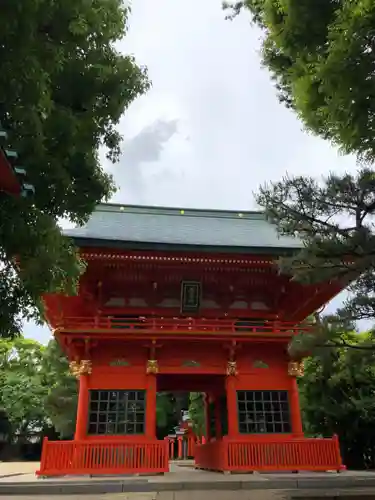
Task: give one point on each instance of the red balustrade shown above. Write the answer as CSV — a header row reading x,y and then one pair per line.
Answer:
x,y
60,458
212,456
190,325
286,455
183,448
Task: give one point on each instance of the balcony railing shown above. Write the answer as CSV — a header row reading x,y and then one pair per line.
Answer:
x,y
183,447
281,455
61,458
183,325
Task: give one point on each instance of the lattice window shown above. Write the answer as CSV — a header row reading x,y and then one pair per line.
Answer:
x,y
263,412
117,412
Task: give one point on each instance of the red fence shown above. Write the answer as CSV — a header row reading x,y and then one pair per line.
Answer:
x,y
182,447
60,458
286,455
170,325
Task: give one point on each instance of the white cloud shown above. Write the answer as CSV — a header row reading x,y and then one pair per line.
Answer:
x,y
210,130
141,157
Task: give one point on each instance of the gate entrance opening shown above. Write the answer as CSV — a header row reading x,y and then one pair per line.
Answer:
x,y
208,416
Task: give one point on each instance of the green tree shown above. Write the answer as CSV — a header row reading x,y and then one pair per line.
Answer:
x,y
37,391
334,221
329,332
196,413
61,390
165,411
320,55
338,397
22,391
63,89
169,408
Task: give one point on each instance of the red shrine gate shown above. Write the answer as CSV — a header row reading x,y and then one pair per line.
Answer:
x,y
189,301
183,442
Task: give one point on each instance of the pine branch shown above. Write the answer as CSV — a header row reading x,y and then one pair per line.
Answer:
x,y
345,344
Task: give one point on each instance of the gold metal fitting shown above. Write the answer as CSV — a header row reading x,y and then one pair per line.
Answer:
x,y
78,368
232,368
152,366
296,368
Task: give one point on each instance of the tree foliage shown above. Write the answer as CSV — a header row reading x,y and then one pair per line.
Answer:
x,y
329,332
165,413
338,397
196,413
334,220
321,56
63,89
60,403
22,391
37,391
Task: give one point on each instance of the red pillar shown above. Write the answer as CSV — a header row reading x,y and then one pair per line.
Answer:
x,y
82,408
295,411
179,444
171,448
151,407
232,407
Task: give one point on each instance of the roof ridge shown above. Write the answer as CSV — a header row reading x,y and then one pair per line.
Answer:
x,y
177,211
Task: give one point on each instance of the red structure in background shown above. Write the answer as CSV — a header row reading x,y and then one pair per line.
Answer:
x,y
185,300
182,444
12,177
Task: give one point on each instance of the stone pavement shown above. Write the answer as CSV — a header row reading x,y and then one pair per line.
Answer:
x,y
11,469
186,483
217,495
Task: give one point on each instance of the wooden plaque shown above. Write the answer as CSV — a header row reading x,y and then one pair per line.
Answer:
x,y
190,296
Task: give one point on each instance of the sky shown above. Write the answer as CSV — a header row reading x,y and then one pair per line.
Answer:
x,y
211,129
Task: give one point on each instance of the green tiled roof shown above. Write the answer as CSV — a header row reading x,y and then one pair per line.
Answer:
x,y
140,226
